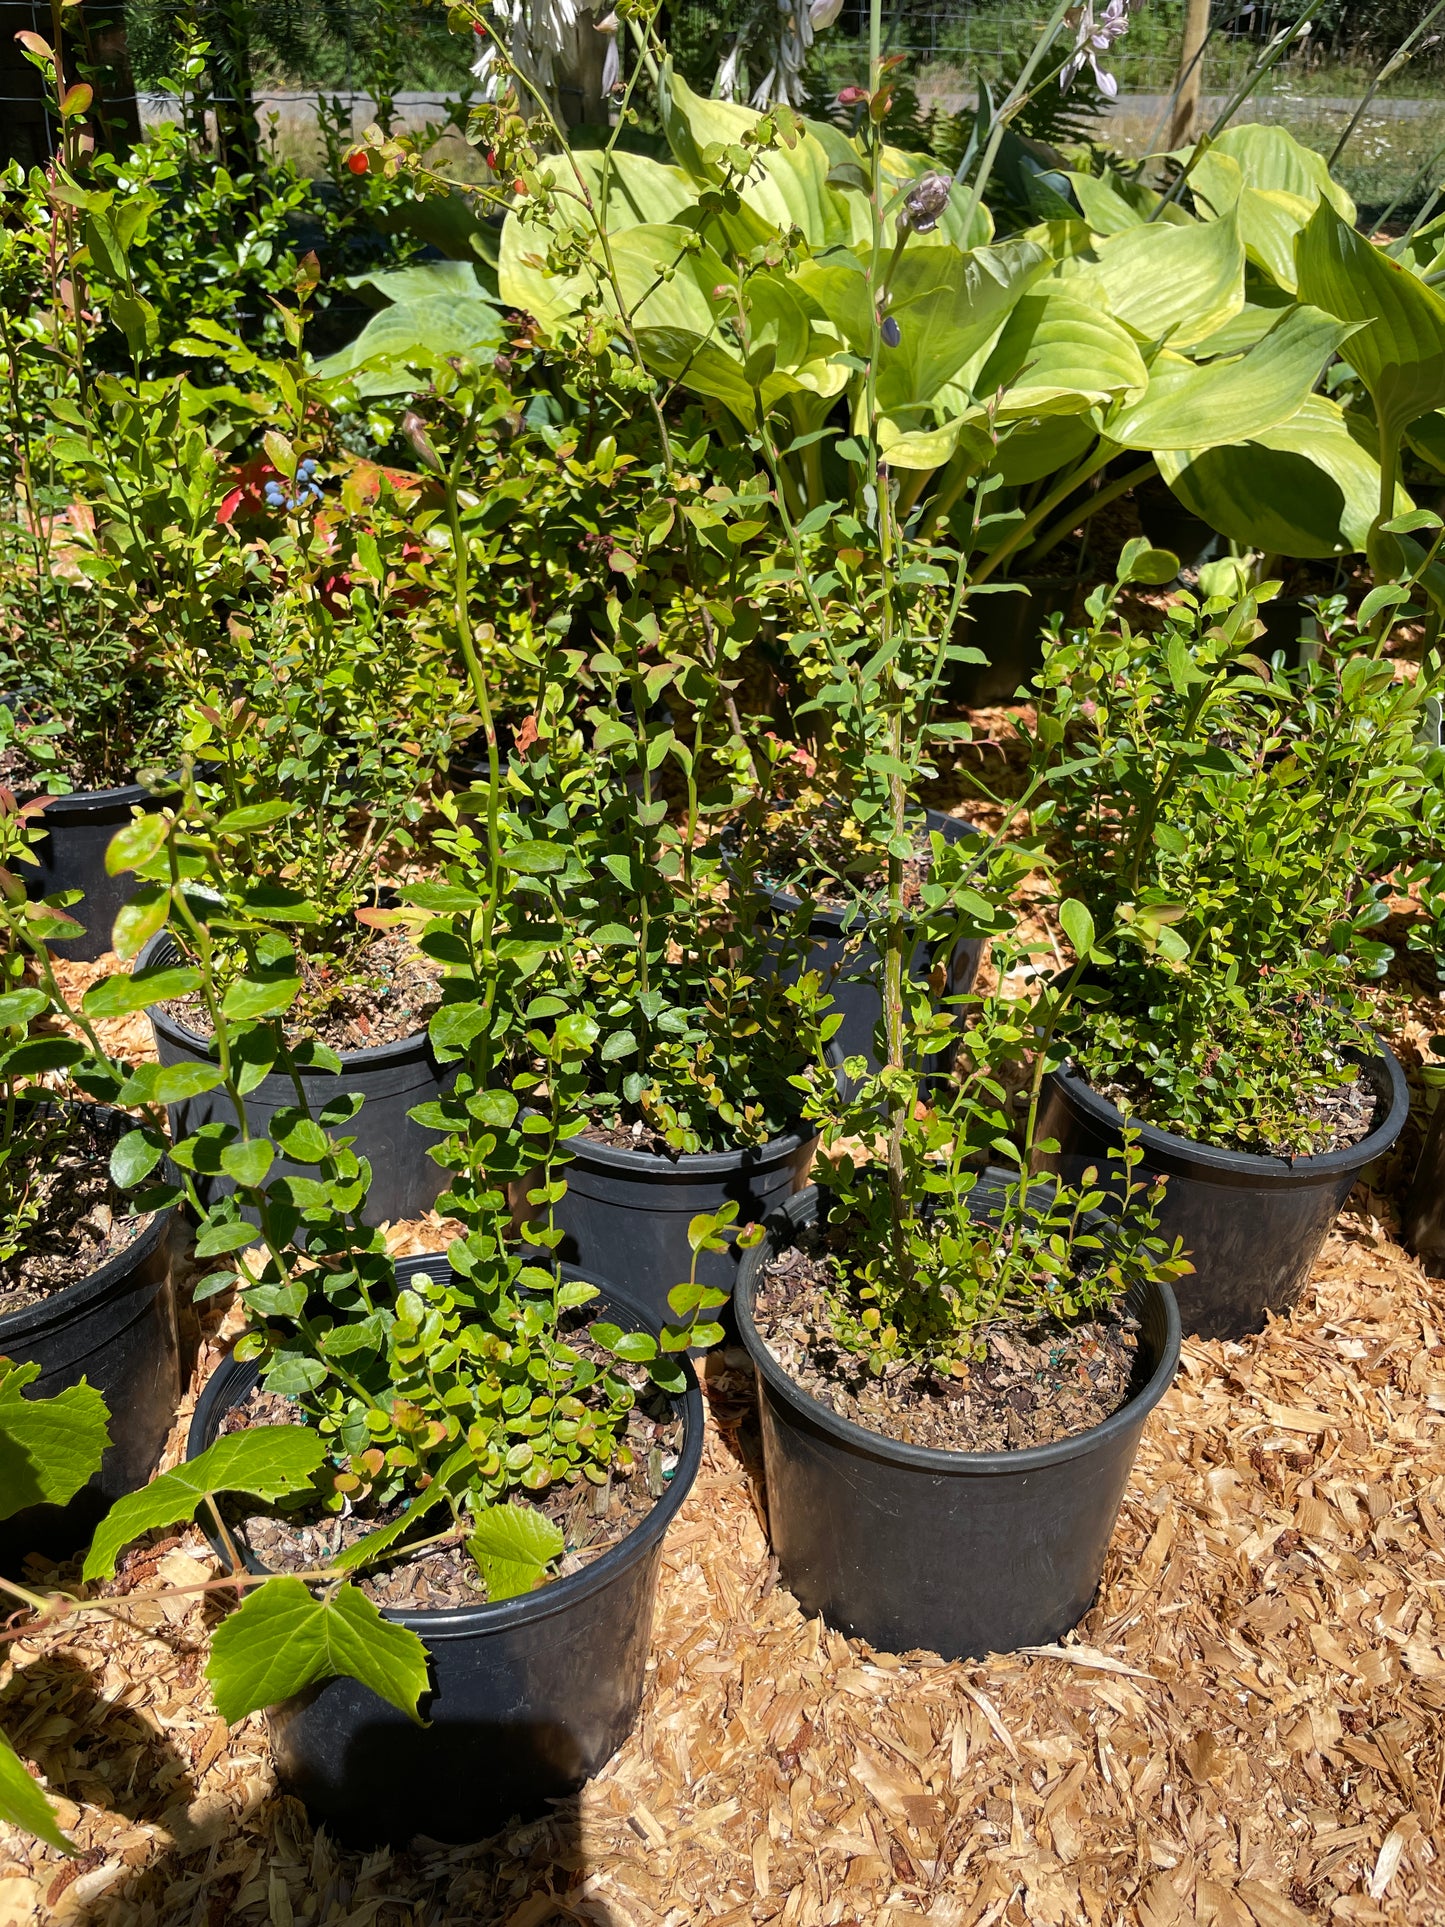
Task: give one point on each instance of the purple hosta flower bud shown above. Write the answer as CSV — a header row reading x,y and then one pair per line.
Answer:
x,y
1091,38
414,429
925,202
891,332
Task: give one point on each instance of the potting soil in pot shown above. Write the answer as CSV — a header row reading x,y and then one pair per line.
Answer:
x,y
81,1220
806,850
1033,1386
385,994
593,1518
1344,1113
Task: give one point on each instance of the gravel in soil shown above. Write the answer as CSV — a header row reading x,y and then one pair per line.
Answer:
x,y
1033,1386
593,1518
80,1219
382,994
1346,1114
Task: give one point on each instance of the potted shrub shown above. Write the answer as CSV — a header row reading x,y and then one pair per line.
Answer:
x,y
306,791
112,560
583,873
86,1290
955,1360
1231,826
449,1486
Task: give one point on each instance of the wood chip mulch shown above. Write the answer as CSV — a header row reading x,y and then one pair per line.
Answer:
x,y
1247,1731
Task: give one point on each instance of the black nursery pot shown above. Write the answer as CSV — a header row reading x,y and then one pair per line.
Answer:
x,y
78,830
392,1078
117,1330
1009,630
1252,1225
530,1696
957,1553
626,1213
846,959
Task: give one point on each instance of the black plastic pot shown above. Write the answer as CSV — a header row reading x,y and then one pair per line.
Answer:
x,y
1009,629
392,1078
1253,1225
117,1330
1169,525
849,962
530,1696
626,1213
78,830
957,1553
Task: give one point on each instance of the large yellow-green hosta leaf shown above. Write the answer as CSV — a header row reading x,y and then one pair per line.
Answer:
x,y
787,187
1400,353
1033,449
1268,218
665,274
1270,157
903,445
1174,284
1107,208
422,332
790,339
1058,355
1189,406
633,192
947,306
1305,488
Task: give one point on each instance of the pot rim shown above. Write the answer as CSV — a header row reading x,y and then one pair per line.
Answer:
x,y
82,802
803,1209
234,1377
1213,1157
853,919
83,1294
688,1165
370,1057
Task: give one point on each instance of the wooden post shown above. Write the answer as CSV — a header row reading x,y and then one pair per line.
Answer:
x,y
1191,73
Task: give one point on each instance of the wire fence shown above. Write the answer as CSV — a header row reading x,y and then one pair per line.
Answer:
x,y
284,58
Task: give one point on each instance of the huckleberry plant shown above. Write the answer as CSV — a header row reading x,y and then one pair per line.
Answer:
x,y
440,1397
1231,826
921,1277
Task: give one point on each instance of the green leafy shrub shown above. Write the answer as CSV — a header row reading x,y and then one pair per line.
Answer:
x,y
1231,826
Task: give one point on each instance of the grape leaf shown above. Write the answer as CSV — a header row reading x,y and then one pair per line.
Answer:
x,y
22,1804
267,1461
49,1447
281,1639
513,1546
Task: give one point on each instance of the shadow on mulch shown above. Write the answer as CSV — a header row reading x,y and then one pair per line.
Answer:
x,y
93,1750
526,1876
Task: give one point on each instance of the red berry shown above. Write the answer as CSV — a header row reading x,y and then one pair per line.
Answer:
x,y
519,187
358,162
